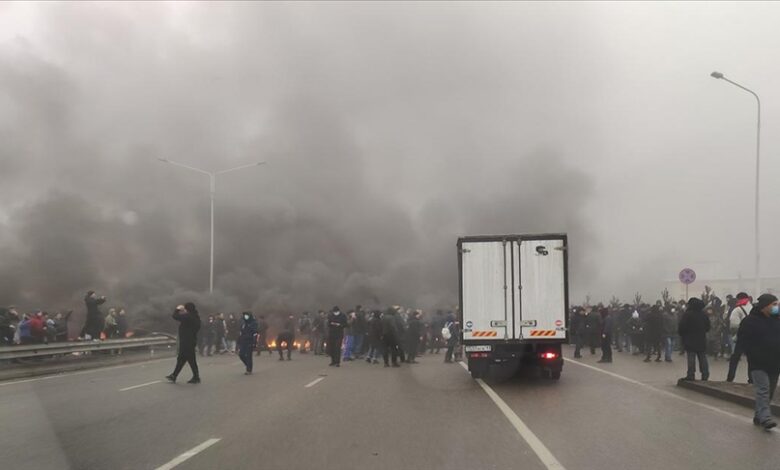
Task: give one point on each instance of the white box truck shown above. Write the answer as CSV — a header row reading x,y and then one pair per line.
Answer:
x,y
514,298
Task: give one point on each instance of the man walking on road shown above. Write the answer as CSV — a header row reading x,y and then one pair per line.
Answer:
x,y
413,331
737,315
390,338
337,321
578,329
759,334
246,341
654,332
189,324
693,329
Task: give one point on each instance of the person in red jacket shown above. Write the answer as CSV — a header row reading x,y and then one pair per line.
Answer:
x,y
38,327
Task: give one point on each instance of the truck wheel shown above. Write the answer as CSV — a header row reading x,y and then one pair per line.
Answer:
x,y
555,375
476,374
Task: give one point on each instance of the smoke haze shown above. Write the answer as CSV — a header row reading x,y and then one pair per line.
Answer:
x,y
389,131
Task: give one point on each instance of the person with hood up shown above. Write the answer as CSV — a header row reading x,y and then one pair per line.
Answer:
x,y
759,334
189,324
246,340
693,329
606,336
654,333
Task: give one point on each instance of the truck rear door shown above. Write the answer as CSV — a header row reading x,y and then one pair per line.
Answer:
x,y
543,301
486,277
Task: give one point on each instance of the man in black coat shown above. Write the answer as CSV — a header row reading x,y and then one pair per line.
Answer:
x,y
759,334
606,336
246,340
578,330
693,329
337,321
94,323
390,338
286,338
189,324
413,332
654,333
262,336
593,330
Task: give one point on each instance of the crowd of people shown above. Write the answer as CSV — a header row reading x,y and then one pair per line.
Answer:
x,y
395,334
40,327
699,328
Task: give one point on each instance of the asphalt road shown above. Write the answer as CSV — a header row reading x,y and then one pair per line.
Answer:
x,y
302,414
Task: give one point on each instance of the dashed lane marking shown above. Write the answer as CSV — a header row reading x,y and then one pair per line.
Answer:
x,y
189,454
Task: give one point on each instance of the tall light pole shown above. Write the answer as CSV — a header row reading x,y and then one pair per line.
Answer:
x,y
212,184
720,76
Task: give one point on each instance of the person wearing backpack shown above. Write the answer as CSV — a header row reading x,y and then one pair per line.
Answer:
x,y
738,313
451,333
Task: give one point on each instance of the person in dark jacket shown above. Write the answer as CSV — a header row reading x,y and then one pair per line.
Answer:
x,y
207,337
337,321
654,333
413,332
693,329
9,318
454,326
436,325
318,333
220,334
359,331
390,338
606,336
374,337
759,334
246,340
189,325
286,338
121,323
593,330
94,322
400,329
578,331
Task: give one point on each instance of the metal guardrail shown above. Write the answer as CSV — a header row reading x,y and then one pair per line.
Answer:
x,y
159,340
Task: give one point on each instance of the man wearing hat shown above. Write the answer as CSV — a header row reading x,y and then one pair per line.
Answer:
x,y
759,335
693,329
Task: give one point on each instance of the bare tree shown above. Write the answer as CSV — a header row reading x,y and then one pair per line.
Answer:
x,y
637,299
614,302
707,295
666,297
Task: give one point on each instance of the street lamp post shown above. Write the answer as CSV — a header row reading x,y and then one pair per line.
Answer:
x,y
720,76
212,187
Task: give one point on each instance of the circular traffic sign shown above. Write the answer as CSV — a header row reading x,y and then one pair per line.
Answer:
x,y
558,323
687,276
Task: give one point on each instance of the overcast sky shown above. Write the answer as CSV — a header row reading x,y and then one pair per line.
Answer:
x,y
390,130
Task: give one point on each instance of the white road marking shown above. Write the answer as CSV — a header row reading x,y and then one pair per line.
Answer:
x,y
314,382
81,372
139,386
189,454
661,391
544,454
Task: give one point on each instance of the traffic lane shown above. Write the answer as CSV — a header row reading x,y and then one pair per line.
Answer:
x,y
664,376
589,420
425,416
96,426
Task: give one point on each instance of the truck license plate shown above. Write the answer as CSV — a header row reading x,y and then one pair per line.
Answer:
x,y
478,348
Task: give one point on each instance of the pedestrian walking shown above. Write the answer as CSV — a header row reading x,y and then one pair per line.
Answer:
x,y
246,341
693,329
738,314
593,330
189,324
233,331
286,338
759,334
337,321
454,337
374,338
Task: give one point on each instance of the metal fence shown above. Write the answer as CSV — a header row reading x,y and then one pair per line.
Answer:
x,y
156,341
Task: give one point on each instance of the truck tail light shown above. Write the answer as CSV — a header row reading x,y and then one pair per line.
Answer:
x,y
479,355
548,355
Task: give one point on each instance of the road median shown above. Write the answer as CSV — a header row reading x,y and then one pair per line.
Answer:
x,y
739,393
